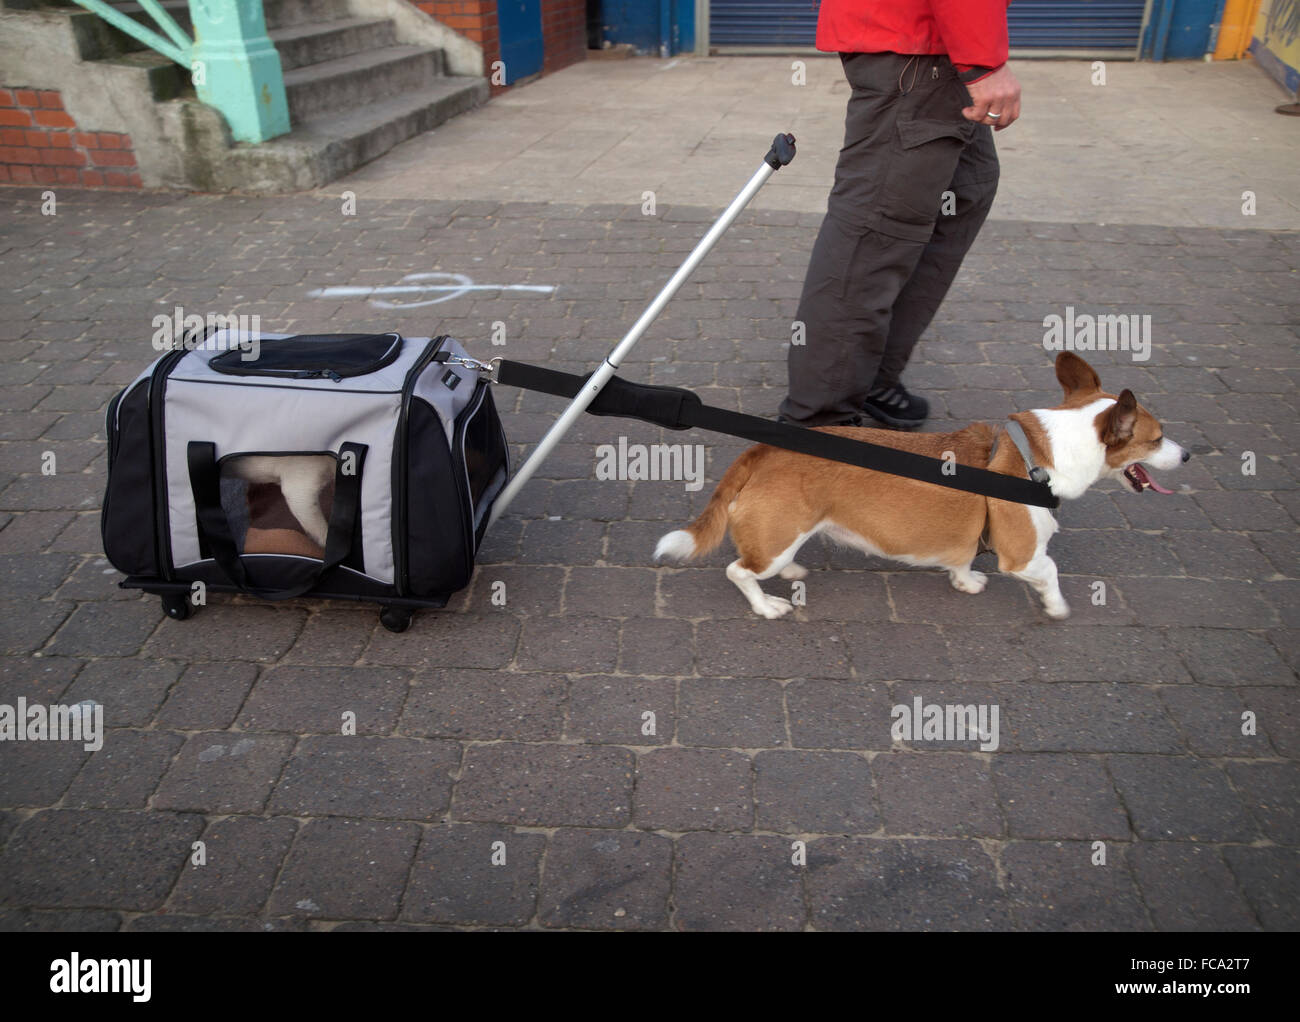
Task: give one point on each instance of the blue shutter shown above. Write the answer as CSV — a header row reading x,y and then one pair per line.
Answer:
x,y
1075,24
762,22
1034,24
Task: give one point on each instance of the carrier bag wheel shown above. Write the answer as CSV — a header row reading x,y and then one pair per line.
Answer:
x,y
177,606
395,619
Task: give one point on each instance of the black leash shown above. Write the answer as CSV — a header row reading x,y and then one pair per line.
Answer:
x,y
675,408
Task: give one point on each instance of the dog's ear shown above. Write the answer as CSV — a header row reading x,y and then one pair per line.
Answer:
x,y
1075,375
1118,421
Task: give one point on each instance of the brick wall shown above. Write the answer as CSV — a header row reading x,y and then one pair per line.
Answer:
x,y
41,144
564,29
564,33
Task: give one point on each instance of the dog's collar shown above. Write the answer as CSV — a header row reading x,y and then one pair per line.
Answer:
x,y
1017,434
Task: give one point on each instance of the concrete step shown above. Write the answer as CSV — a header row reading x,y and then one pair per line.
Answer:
x,y
325,147
303,45
361,79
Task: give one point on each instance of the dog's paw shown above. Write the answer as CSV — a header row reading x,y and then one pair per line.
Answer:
x,y
1058,610
793,571
774,606
969,582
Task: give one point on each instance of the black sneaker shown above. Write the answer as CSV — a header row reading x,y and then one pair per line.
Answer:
x,y
855,420
895,407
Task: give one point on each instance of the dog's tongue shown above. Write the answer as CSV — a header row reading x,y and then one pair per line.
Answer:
x,y
1145,479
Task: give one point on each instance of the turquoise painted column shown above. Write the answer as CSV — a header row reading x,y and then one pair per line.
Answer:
x,y
236,68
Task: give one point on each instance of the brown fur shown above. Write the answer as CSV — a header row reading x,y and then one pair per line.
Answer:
x,y
770,497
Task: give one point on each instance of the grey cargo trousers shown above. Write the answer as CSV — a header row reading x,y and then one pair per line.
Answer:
x,y
892,240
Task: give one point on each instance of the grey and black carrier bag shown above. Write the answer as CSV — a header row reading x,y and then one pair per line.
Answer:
x,y
344,466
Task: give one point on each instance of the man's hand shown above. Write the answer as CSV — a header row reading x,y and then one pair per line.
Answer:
x,y
998,94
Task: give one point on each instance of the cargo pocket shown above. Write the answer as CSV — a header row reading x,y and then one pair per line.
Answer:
x,y
925,159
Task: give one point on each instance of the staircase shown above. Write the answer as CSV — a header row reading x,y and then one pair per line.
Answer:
x,y
354,92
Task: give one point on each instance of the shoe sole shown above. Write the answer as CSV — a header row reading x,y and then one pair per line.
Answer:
x,y
904,425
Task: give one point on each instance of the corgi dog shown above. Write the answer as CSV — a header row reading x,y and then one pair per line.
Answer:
x,y
773,501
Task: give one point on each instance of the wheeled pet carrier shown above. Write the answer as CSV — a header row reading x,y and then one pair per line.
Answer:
x,y
367,467
347,466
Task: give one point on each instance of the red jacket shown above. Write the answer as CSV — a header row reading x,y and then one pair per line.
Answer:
x,y
973,33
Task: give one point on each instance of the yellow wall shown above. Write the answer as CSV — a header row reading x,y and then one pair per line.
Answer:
x,y
1239,17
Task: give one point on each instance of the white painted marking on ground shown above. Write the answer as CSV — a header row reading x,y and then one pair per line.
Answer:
x,y
455,285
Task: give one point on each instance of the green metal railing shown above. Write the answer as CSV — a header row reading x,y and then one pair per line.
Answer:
x,y
232,61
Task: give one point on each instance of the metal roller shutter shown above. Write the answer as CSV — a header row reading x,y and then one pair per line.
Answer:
x,y
1075,24
1034,24
762,22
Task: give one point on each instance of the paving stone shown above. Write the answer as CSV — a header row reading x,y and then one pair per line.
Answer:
x,y
1176,798
1211,720
223,772
814,793
875,884
305,700
208,924
737,882
33,531
694,789
905,652
475,874
255,632
36,773
606,880
207,697
772,649
610,592
1105,654
485,641
928,598
989,654
611,710
1223,656
332,637
484,705
1106,552
1198,603
242,856
1066,797
590,642
72,921
1088,717
1272,792
350,775
129,690
38,679
654,646
935,794
124,772
731,713
545,786
33,576
345,869
26,625
125,861
531,591
1270,880
1188,887
833,714
1054,885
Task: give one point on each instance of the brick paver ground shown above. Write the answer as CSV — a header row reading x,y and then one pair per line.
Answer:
x,y
502,774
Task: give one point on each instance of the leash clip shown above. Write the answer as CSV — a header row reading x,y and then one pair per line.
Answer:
x,y
489,369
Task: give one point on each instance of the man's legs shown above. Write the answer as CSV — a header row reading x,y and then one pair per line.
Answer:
x,y
974,185
904,137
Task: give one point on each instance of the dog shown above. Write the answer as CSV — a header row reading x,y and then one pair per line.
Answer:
x,y
773,501
301,477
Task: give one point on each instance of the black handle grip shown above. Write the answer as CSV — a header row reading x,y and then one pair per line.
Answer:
x,y
781,153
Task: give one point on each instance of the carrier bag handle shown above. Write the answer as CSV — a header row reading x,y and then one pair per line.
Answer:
x,y
205,483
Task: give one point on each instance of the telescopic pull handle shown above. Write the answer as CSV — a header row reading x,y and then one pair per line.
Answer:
x,y
781,153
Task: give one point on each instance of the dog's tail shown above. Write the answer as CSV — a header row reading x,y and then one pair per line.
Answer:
x,y
706,532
